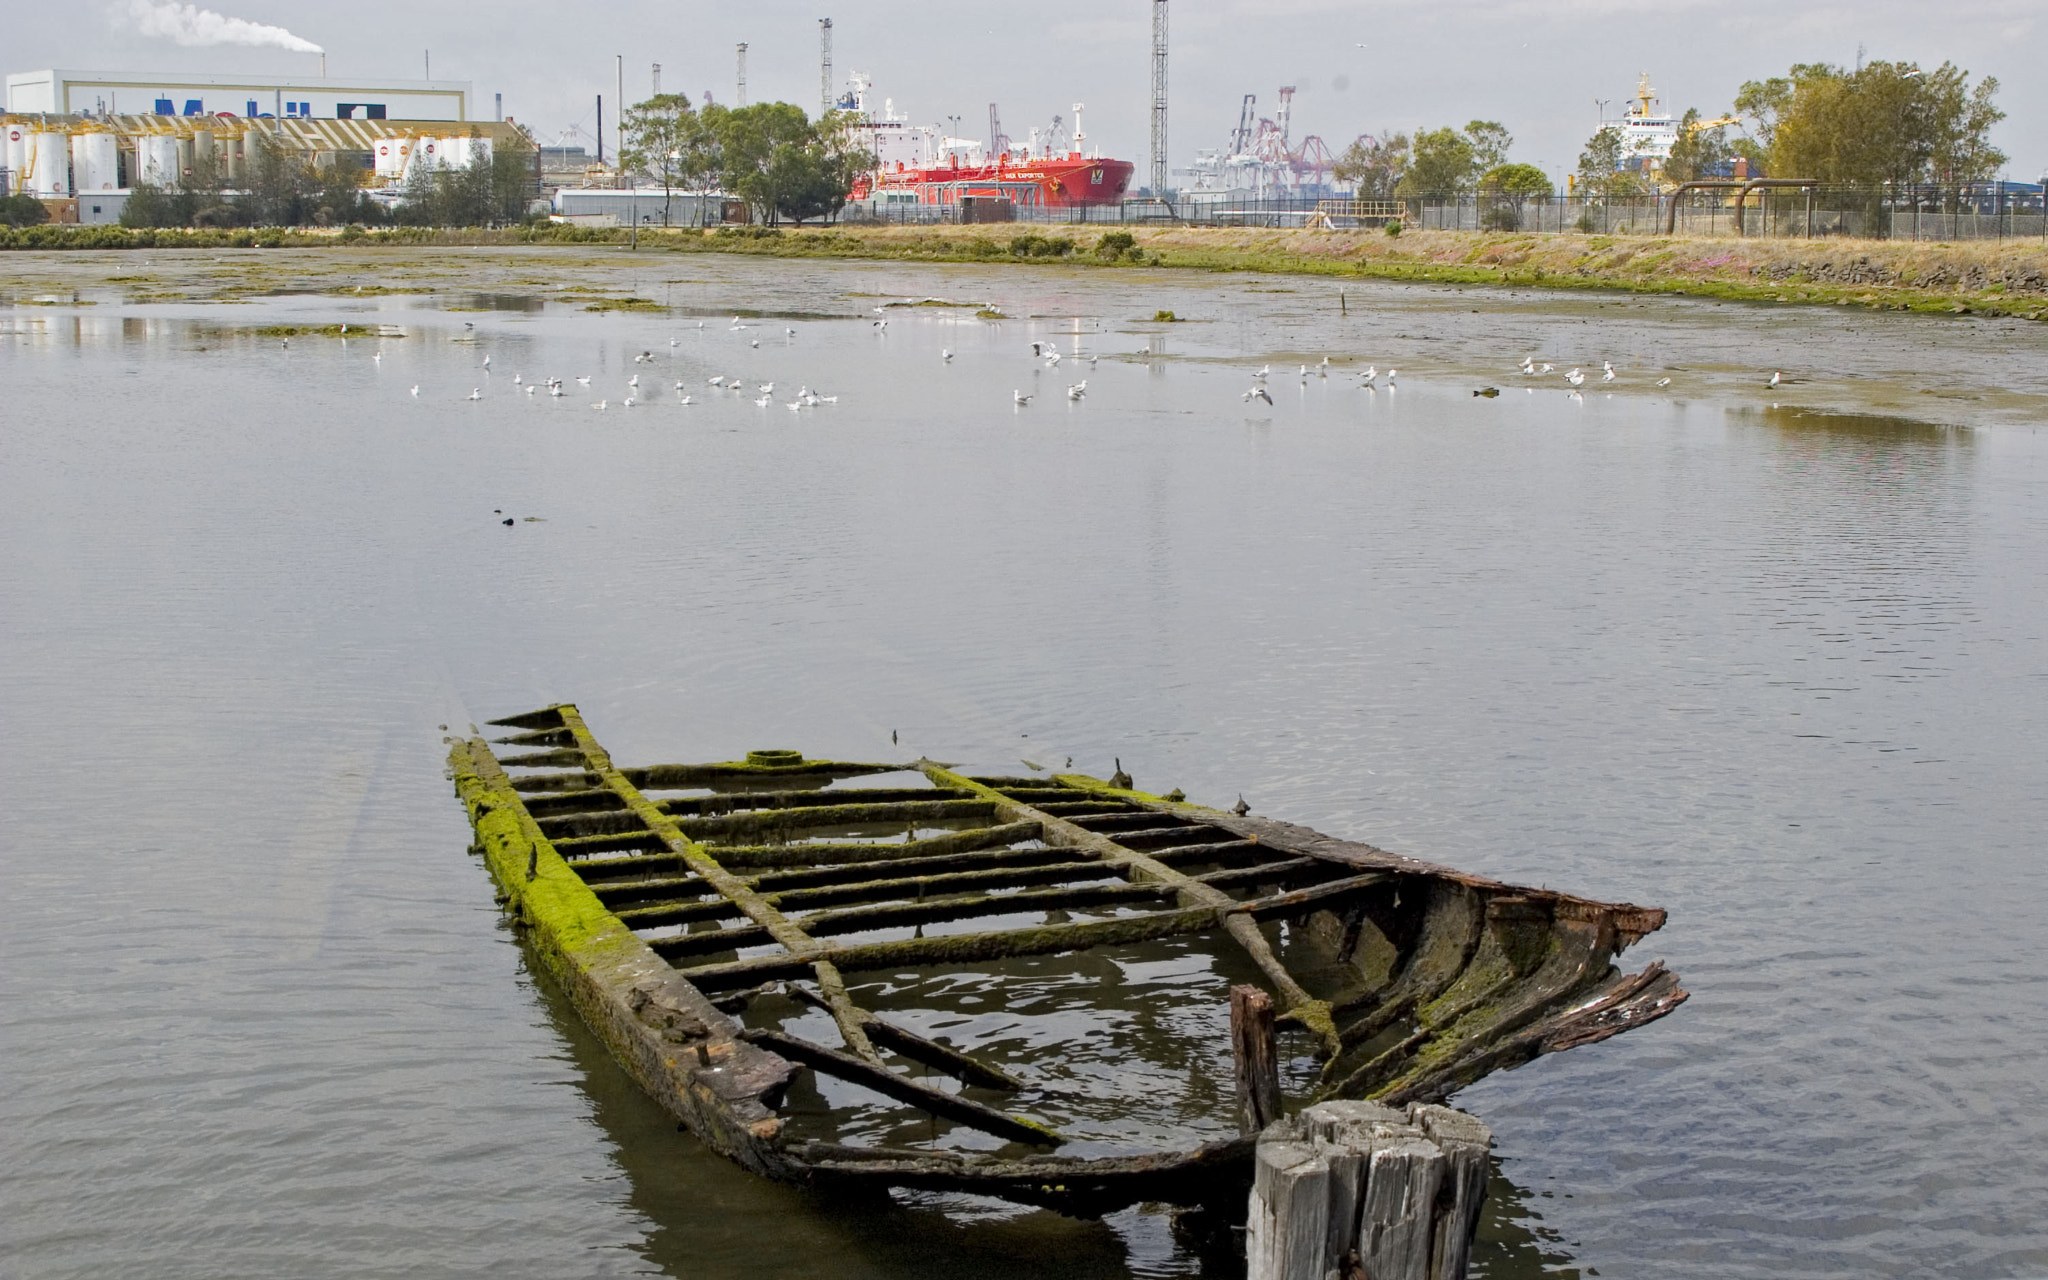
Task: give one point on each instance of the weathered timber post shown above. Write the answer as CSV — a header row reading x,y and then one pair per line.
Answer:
x,y
1359,1189
1255,1047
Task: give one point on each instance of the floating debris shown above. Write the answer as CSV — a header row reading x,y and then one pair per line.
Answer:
x,y
711,922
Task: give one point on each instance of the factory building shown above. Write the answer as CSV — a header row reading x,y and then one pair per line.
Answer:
x,y
65,92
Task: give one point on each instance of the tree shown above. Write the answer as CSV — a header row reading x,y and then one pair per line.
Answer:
x,y
1372,166
1505,187
1490,142
1600,171
1886,122
277,184
1696,152
655,134
1442,164
783,165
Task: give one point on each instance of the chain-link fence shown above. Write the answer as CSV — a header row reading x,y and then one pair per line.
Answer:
x,y
1985,211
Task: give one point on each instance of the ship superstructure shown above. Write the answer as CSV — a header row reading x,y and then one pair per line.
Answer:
x,y
922,164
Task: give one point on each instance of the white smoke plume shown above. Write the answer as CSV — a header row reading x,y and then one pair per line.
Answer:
x,y
192,26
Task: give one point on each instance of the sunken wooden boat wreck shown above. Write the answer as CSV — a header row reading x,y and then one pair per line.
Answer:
x,y
883,974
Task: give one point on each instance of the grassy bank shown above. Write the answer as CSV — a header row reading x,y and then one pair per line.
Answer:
x,y
1982,277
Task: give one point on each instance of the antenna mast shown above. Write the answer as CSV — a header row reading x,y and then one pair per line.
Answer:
x,y
743,74
1159,99
824,67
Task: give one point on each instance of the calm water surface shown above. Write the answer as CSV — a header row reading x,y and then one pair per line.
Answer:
x,y
1780,671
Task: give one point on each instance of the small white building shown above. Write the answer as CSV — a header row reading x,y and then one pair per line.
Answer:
x,y
67,91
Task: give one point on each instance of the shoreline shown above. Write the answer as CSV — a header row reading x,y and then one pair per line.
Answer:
x,y
1990,278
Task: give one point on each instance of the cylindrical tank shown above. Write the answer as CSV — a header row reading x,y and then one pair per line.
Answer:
x,y
47,167
454,152
95,162
391,155
156,156
15,156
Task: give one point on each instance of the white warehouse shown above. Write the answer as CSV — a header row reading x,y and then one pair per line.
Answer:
x,y
68,92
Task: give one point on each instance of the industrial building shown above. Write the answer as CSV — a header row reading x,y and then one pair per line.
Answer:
x,y
66,92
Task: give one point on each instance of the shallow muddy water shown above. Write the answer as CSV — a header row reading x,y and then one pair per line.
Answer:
x,y
1769,659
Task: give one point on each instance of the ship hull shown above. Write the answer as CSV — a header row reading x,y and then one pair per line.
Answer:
x,y
1050,184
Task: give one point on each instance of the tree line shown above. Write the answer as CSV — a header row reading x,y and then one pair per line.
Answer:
x,y
280,187
1883,122
771,155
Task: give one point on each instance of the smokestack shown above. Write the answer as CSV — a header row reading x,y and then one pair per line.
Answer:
x,y
1159,99
743,75
824,67
657,79
501,107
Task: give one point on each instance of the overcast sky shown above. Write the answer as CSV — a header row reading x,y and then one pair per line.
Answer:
x,y
1536,67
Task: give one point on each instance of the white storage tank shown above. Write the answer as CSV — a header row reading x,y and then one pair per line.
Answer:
x,y
95,162
47,167
15,156
391,156
454,152
156,160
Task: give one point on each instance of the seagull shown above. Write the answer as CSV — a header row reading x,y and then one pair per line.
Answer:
x,y
517,380
1304,373
766,388
530,388
1776,378
1575,378
1038,349
678,341
1258,393
718,382
685,400
1663,382
633,381
630,402
736,323
679,386
487,362
882,325
344,329
794,406
764,401
1390,378
1609,375
415,389
755,343
1323,370
1548,368
1052,359
1529,366
1261,374
1076,392
582,382
377,358
790,333
602,404
555,389
476,393
1019,397
945,355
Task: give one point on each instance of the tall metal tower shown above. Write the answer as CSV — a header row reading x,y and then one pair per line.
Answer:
x,y
824,67
743,74
1159,99
657,79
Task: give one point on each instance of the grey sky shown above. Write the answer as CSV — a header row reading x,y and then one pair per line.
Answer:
x,y
1536,67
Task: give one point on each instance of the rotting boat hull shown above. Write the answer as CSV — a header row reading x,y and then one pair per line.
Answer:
x,y
1447,976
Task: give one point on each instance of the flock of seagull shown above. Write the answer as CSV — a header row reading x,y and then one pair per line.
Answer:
x,y
1048,356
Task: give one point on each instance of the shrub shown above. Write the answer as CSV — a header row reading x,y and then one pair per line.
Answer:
x,y
1394,227
1115,244
1164,317
1033,245
1502,217
22,211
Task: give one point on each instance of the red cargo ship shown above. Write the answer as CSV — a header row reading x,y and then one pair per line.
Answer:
x,y
917,165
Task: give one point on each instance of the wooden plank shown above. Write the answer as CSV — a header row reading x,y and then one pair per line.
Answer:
x,y
959,948
949,1106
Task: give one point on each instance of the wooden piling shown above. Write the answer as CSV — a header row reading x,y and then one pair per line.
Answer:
x,y
1357,1188
1254,1045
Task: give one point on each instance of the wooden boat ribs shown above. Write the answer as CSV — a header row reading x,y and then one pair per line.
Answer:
x,y
712,938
